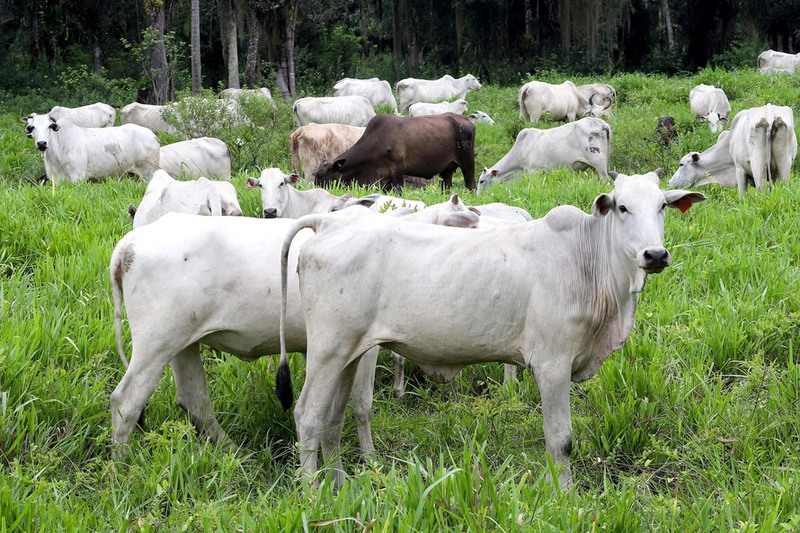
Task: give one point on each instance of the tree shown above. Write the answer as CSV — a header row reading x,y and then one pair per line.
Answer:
x,y
161,91
227,23
195,31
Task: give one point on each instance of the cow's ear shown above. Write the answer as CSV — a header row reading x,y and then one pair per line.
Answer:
x,y
682,199
338,164
602,205
293,178
657,172
703,117
613,175
475,210
251,183
461,219
131,211
54,126
494,172
695,157
25,119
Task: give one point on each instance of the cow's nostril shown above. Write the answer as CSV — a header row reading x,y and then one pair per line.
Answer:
x,y
270,213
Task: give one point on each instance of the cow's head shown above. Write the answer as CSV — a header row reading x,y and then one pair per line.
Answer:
x,y
274,185
455,213
472,83
40,129
329,171
634,213
715,121
487,178
480,116
597,106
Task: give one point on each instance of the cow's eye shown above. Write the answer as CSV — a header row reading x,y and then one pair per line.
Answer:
x,y
280,184
663,206
623,209
29,129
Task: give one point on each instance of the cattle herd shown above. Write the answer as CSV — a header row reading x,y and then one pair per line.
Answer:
x,y
337,277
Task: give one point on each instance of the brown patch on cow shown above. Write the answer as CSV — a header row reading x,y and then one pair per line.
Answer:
x,y
124,264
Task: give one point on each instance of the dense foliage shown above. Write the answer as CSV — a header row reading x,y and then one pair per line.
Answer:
x,y
692,426
44,44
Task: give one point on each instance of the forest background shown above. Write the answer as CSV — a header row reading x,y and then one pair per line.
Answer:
x,y
301,47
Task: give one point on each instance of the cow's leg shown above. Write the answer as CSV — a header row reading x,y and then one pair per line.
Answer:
x,y
361,396
509,373
399,387
447,180
192,393
133,391
319,410
553,377
397,182
741,182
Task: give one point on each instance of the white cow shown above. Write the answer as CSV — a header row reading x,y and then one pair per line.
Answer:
x,y
601,92
419,109
205,156
312,144
165,194
412,90
480,116
146,115
383,203
710,104
98,115
559,313
353,110
583,144
761,145
237,94
561,101
772,62
190,280
377,91
714,165
279,199
73,153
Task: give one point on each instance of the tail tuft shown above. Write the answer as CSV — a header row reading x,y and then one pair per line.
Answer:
x,y
283,385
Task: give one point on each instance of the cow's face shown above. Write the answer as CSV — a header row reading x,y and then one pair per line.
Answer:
x,y
597,106
690,170
328,171
273,185
472,83
487,178
40,128
480,116
635,211
715,122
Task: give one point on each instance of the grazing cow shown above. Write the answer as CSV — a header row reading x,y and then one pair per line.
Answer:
x,y
237,94
73,153
559,314
377,91
412,90
98,115
420,109
312,144
205,156
145,115
353,110
710,104
190,280
383,203
279,199
583,144
666,132
561,101
165,194
418,146
772,62
480,116
759,149
603,91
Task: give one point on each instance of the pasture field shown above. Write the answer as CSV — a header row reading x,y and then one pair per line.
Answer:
x,y
693,426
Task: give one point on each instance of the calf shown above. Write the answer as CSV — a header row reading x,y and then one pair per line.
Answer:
x,y
312,144
418,146
197,197
559,314
666,132
420,109
580,145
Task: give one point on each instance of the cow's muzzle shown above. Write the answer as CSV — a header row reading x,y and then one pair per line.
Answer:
x,y
654,260
271,213
41,145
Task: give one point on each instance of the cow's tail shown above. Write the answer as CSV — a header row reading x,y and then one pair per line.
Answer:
x,y
283,379
116,271
523,111
293,149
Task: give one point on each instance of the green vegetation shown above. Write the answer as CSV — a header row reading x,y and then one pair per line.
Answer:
x,y
692,426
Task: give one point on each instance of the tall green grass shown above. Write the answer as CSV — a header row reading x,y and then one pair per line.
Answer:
x,y
692,426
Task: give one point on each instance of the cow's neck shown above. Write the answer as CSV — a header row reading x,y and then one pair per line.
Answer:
x,y
304,202
615,283
717,162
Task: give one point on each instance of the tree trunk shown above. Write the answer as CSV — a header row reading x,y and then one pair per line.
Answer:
x,y
227,25
397,40
158,60
564,22
668,24
459,19
196,65
291,20
251,64
528,21
35,44
97,54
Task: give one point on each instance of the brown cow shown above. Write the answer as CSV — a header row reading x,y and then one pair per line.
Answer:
x,y
418,146
314,143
